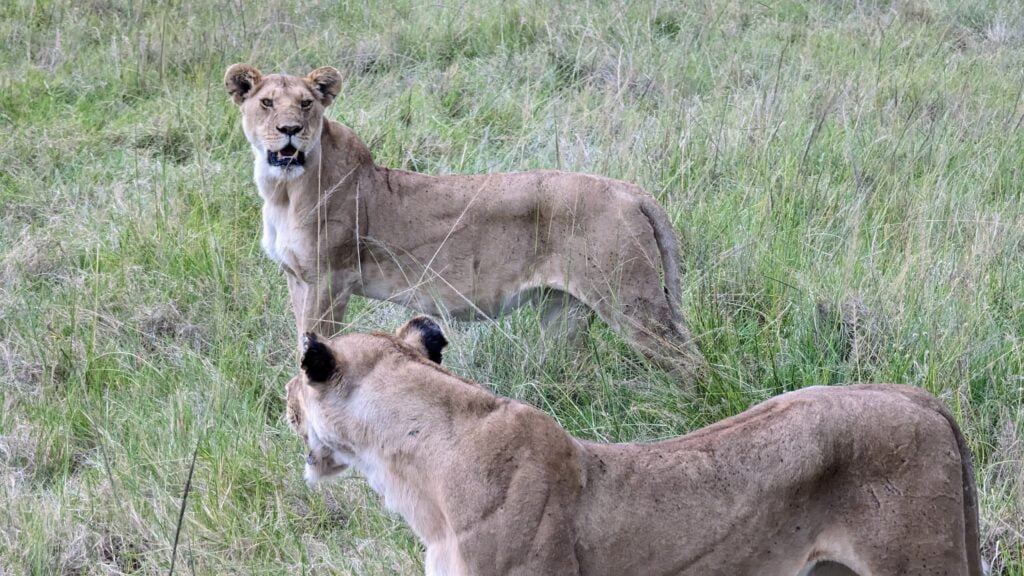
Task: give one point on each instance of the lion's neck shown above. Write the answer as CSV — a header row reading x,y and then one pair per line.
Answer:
x,y
407,460
407,491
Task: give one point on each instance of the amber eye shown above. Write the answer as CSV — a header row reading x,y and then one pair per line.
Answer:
x,y
267,103
306,104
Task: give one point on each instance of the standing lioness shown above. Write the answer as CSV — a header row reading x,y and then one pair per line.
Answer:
x,y
471,246
865,480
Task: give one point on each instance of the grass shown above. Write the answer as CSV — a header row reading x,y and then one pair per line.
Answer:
x,y
846,179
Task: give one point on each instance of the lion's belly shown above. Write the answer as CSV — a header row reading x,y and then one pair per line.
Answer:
x,y
449,291
437,297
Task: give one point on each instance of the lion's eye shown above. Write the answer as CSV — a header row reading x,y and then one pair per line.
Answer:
x,y
267,103
306,104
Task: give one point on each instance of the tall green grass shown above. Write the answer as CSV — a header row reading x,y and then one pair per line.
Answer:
x,y
822,162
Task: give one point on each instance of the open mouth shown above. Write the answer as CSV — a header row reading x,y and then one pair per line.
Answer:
x,y
285,157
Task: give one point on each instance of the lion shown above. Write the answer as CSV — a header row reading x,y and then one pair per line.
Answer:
x,y
470,246
866,480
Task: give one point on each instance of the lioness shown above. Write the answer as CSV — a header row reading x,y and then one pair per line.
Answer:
x,y
868,480
472,246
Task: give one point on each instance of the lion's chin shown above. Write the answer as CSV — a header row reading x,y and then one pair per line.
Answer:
x,y
315,474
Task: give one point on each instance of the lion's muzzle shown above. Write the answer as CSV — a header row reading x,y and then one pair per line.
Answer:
x,y
286,157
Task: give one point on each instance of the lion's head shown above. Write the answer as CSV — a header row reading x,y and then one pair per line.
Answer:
x,y
282,115
325,403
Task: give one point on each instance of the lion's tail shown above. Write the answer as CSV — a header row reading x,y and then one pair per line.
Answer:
x,y
668,245
972,533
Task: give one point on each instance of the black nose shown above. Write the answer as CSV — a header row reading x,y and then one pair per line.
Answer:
x,y
290,129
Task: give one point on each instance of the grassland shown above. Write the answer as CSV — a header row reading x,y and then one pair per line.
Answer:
x,y
847,179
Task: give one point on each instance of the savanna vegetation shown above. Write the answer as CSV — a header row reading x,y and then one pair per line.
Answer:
x,y
847,180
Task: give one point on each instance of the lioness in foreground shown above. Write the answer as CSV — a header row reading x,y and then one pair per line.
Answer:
x,y
472,246
865,480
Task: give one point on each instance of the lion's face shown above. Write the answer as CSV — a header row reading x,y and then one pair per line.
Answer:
x,y
325,404
323,459
282,115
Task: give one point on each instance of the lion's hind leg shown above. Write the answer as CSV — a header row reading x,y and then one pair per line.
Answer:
x,y
669,345
652,329
563,318
630,297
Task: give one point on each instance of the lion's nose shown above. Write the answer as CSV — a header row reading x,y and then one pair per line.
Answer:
x,y
289,129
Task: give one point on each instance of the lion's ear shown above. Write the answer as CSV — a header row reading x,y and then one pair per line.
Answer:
x,y
241,80
326,83
425,336
318,361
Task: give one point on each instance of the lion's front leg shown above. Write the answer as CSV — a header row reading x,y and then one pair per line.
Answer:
x,y
443,559
318,307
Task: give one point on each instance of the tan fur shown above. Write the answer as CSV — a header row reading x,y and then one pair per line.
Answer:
x,y
472,246
874,478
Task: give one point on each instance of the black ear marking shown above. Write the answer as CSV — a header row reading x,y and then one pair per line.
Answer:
x,y
431,336
317,359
